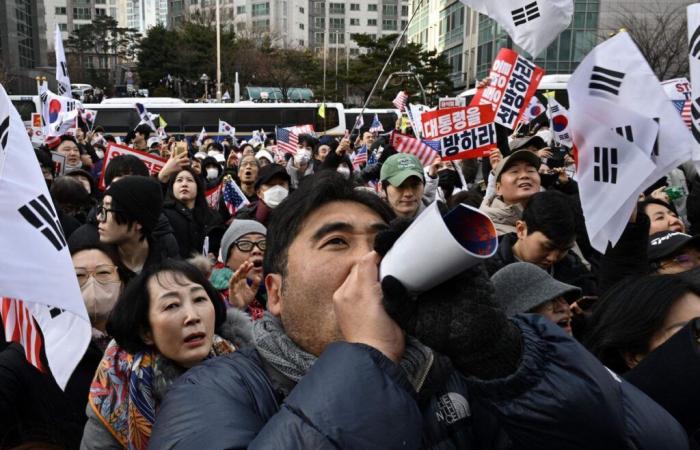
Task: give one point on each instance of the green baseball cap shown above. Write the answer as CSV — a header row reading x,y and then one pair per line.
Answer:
x,y
397,168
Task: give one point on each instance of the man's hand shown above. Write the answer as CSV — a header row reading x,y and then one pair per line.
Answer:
x,y
435,167
544,152
344,147
360,313
495,157
175,164
240,295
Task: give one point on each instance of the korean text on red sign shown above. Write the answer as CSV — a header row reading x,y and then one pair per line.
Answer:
x,y
153,162
475,140
514,80
443,122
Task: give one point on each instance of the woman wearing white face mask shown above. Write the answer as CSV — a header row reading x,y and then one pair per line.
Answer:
x,y
271,187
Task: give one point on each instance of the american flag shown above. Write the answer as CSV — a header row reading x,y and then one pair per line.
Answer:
x,y
425,151
20,327
287,140
400,100
684,108
376,126
234,198
360,157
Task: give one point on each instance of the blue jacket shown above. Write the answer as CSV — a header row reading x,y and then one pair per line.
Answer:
x,y
353,397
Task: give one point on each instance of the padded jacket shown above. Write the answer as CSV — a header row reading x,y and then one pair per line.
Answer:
x,y
353,397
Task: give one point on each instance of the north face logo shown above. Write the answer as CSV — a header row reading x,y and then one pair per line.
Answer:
x,y
452,407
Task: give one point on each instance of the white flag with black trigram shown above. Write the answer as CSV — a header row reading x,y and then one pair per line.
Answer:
x,y
611,168
36,265
532,24
616,73
694,58
62,78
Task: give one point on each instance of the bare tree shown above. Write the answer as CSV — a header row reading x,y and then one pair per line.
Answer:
x,y
660,32
6,76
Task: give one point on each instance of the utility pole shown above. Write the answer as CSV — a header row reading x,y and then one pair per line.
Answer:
x,y
218,54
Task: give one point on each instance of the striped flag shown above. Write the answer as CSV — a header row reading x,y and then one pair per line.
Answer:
x,y
20,327
686,113
360,157
425,151
234,198
400,100
376,126
287,140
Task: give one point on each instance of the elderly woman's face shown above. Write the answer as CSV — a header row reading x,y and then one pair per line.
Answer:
x,y
182,319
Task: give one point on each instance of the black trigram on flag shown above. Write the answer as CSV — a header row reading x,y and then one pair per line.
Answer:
x,y
4,132
40,213
525,14
625,132
554,109
605,168
605,81
694,45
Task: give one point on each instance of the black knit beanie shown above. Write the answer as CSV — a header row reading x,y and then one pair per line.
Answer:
x,y
141,198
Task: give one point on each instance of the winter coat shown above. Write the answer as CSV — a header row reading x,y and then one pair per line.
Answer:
x,y
501,214
353,397
295,175
628,257
33,408
190,232
569,269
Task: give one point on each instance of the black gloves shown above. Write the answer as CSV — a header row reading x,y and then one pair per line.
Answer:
x,y
457,318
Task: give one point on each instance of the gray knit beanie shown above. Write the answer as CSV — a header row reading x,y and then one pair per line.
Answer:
x,y
238,228
522,286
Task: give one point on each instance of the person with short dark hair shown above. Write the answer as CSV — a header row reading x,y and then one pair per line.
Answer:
x,y
69,148
71,198
271,188
646,329
545,236
127,217
123,165
168,320
138,137
341,360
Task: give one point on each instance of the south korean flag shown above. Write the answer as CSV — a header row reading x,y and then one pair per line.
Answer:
x,y
533,24
616,74
611,168
694,59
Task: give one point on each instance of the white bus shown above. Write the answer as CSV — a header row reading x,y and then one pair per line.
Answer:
x,y
118,116
26,105
556,83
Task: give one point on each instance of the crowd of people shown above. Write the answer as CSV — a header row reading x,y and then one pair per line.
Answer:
x,y
268,326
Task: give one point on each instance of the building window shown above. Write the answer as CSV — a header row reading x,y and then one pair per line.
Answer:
x,y
113,12
318,37
337,8
389,10
319,22
354,51
337,22
240,9
63,26
60,10
355,22
372,7
261,25
100,12
338,38
301,42
371,22
388,24
100,2
261,9
354,6
301,26
404,10
301,10
82,14
403,24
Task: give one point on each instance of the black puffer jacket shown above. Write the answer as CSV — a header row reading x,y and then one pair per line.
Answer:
x,y
191,229
353,397
569,270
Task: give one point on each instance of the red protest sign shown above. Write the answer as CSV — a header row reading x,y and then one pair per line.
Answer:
x,y
514,80
477,140
443,122
153,162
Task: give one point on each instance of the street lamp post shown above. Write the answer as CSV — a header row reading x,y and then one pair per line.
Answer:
x,y
205,79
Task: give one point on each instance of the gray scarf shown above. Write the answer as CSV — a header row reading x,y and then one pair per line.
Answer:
x,y
278,349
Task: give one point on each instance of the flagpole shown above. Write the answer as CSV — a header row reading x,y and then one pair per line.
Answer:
x,y
393,50
325,46
218,54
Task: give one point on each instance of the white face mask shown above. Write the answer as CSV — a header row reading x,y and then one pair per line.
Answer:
x,y
100,153
100,298
302,157
344,171
70,168
212,173
274,196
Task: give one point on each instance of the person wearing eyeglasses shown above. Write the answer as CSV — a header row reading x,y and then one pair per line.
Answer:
x,y
242,251
672,252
